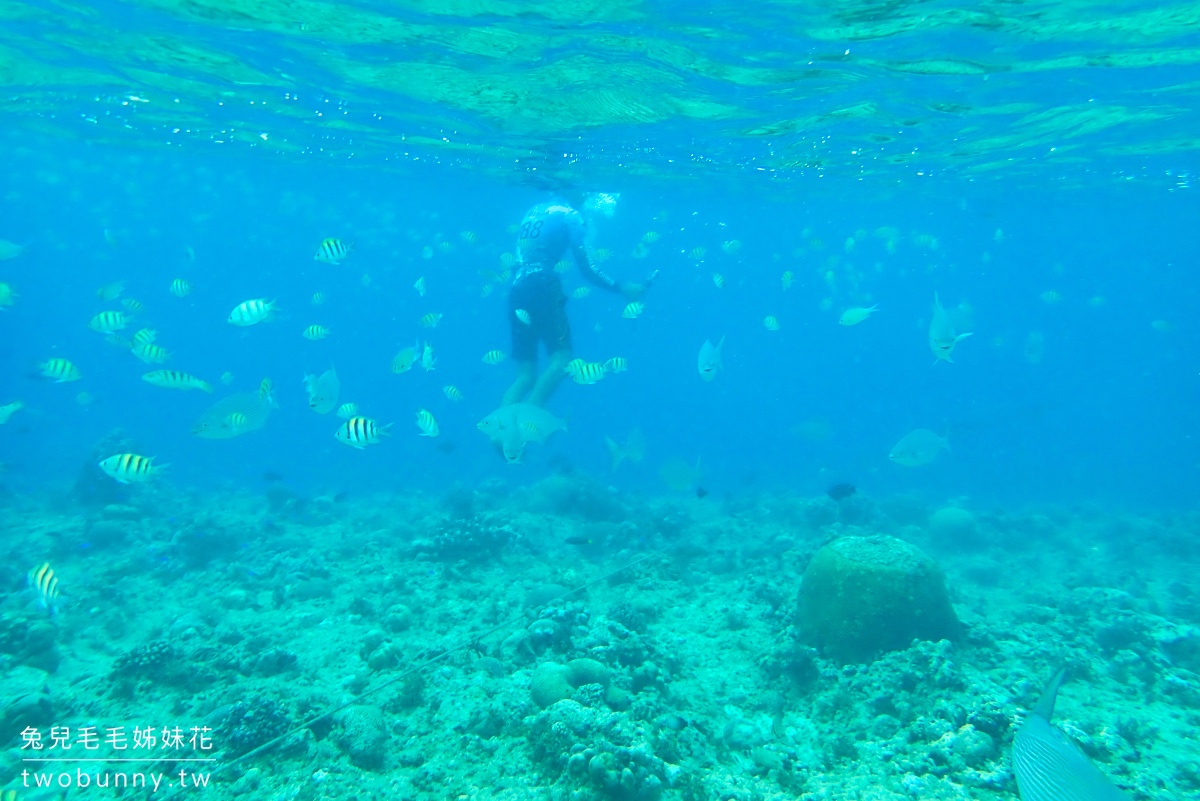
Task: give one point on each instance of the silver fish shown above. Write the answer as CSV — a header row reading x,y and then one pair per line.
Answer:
x,y
323,391
1049,766
233,416
942,336
709,361
517,425
918,447
634,448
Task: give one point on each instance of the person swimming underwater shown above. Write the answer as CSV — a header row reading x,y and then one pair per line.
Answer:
x,y
537,305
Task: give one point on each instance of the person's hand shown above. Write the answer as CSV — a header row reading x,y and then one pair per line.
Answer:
x,y
634,291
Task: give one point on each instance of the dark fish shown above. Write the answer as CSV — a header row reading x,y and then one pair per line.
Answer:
x,y
1049,766
577,539
272,476
701,492
841,491
673,722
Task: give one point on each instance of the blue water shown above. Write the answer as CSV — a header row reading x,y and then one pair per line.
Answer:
x,y
1108,415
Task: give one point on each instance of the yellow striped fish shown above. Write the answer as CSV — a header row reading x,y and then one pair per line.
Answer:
x,y
445,247
698,253
174,379
633,310
786,280
452,392
562,266
494,357
118,341
771,323
315,332
108,321
426,423
7,296
347,410
581,292
129,468
132,306
266,392
468,237
151,353
419,285
617,364
45,583
359,432
523,316
718,281
431,320
427,252
650,237
250,312
144,336
318,298
587,372
180,288
332,251
486,290
59,370
238,422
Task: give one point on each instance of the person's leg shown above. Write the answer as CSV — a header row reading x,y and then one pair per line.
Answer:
x,y
526,378
549,380
524,344
556,331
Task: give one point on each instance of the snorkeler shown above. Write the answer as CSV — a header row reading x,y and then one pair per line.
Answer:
x,y
537,306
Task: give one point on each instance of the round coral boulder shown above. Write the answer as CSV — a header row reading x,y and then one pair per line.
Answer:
x,y
863,596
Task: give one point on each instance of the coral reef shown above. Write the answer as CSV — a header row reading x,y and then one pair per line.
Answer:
x,y
697,674
864,595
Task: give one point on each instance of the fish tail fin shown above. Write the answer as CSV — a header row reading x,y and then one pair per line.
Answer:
x,y
1045,704
615,451
961,337
158,468
386,430
206,387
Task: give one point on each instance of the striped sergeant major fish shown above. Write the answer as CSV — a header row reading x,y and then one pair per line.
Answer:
x,y
332,251
175,379
252,312
108,321
45,584
1049,766
359,432
59,370
130,468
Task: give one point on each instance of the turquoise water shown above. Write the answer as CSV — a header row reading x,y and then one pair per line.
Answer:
x,y
564,628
